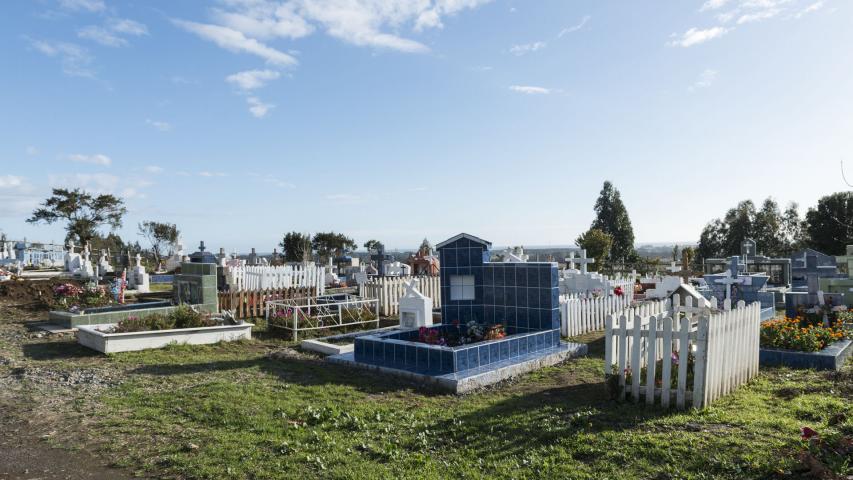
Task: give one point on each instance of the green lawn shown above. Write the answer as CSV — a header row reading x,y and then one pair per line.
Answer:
x,y
229,411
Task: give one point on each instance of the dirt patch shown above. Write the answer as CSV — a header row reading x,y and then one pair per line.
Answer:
x,y
32,293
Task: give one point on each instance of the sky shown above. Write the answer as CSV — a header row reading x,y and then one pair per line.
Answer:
x,y
240,120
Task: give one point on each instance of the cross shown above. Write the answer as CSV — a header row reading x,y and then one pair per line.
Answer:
x,y
571,260
412,287
672,268
848,259
731,277
582,260
380,258
201,246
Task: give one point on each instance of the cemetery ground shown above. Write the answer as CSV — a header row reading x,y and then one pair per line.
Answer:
x,y
264,409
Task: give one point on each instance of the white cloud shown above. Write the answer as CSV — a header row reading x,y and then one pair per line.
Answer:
x,y
11,181
75,59
526,48
695,36
87,5
370,23
235,41
530,90
258,108
252,79
705,80
758,16
93,182
345,198
127,27
101,35
155,169
31,150
96,159
810,9
162,126
713,5
211,174
278,183
574,28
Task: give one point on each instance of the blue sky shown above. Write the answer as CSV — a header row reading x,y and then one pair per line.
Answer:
x,y
240,120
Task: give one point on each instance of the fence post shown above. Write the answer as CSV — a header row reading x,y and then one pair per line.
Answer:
x,y
666,372
683,354
636,356
623,355
701,365
652,361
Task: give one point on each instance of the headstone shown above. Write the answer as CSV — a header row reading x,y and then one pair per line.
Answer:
x,y
104,266
415,308
582,260
139,279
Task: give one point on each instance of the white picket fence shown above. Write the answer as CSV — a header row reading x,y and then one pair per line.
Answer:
x,y
250,278
724,344
581,314
389,290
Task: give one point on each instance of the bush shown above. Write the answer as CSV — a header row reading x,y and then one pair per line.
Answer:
x,y
151,322
181,317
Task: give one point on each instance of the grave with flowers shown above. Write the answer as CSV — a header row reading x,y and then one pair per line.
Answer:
x,y
499,319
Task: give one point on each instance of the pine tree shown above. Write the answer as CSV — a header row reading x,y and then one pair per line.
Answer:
x,y
611,217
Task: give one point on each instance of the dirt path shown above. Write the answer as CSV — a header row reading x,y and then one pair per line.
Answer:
x,y
37,388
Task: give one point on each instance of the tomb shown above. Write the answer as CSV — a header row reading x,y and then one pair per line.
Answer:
x,y
138,279
415,307
777,270
841,286
498,320
737,284
396,269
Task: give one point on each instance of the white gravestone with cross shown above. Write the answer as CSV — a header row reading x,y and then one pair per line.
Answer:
x,y
582,260
731,278
415,307
139,279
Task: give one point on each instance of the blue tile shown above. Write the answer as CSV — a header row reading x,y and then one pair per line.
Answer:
x,y
489,295
500,315
358,349
556,334
494,352
489,314
464,315
477,314
540,341
448,258
411,356
531,343
478,294
522,346
399,356
475,256
513,347
434,360
532,276
544,298
511,317
555,318
521,275
504,350
461,359
521,318
555,278
555,298
509,296
499,276
488,275
422,359
446,362
478,275
462,242
473,357
545,275
368,349
484,354
521,297
509,275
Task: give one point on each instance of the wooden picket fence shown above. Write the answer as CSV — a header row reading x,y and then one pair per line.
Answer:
x,y
664,334
267,277
389,290
581,314
252,304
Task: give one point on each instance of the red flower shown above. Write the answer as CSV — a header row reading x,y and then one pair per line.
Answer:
x,y
807,433
618,291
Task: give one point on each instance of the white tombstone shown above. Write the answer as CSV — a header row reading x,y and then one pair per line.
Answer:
x,y
664,288
139,280
397,269
415,308
582,260
104,264
86,270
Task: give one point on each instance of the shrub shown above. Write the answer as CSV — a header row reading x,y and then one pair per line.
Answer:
x,y
154,321
185,317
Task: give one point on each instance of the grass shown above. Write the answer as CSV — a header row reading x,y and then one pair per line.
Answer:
x,y
230,411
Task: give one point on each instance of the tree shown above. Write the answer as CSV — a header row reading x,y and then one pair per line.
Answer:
x,y
296,247
597,244
373,245
830,223
738,222
161,236
83,212
675,253
611,217
327,244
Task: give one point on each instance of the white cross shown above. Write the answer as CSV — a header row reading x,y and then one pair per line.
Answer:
x,y
728,281
584,261
571,260
672,268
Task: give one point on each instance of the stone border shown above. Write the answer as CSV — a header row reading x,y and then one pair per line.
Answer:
x,y
89,336
321,346
74,320
830,358
464,382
